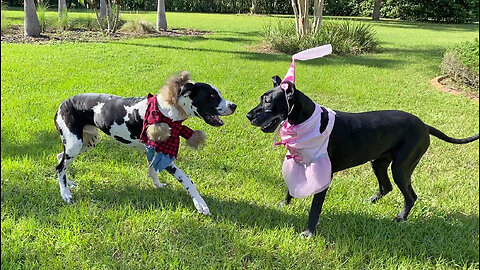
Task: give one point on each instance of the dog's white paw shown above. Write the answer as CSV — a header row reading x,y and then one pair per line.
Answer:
x,y
306,234
66,195
158,184
201,205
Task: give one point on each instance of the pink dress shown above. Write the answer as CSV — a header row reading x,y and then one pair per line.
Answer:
x,y
307,169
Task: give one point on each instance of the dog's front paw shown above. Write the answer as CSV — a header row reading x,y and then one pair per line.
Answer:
x,y
283,204
66,195
201,205
158,184
307,234
399,219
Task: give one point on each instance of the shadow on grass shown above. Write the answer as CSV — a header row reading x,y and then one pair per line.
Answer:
x,y
425,52
43,143
364,60
421,239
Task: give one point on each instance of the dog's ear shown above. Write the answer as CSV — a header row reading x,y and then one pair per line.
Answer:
x,y
290,90
276,81
186,89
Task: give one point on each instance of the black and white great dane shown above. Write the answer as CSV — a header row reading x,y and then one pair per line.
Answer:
x,y
381,137
79,118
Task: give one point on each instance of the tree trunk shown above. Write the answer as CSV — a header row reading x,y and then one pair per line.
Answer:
x,y
295,12
317,15
253,9
302,17
376,10
103,9
109,19
62,8
301,10
31,24
117,16
161,17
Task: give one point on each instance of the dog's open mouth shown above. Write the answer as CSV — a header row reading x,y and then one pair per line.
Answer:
x,y
213,120
271,126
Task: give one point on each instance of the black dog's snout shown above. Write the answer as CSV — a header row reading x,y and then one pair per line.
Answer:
x,y
250,115
232,107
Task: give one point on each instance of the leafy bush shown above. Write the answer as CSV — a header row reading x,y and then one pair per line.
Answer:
x,y
468,52
346,37
138,26
461,64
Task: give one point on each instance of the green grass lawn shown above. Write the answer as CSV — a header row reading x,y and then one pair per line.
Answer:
x,y
119,220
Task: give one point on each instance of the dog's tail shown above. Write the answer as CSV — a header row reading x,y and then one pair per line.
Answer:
x,y
437,133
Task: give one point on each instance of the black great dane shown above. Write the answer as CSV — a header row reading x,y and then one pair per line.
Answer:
x,y
381,137
79,118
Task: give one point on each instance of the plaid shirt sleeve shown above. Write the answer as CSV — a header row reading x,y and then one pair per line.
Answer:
x,y
186,132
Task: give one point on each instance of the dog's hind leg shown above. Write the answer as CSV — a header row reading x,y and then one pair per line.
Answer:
x,y
190,187
72,149
71,134
403,165
89,140
380,167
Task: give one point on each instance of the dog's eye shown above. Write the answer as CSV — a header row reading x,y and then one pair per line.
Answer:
x,y
213,96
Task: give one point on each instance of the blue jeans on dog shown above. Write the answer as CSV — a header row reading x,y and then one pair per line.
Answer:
x,y
158,161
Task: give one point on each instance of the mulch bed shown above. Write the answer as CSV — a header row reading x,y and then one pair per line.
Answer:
x,y
446,84
14,34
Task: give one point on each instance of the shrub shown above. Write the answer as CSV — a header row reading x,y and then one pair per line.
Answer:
x,y
138,26
64,22
461,64
346,37
84,23
42,7
4,21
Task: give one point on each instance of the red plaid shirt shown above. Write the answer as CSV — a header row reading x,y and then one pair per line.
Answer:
x,y
152,116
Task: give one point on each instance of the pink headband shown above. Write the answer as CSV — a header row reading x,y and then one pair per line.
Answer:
x,y
312,53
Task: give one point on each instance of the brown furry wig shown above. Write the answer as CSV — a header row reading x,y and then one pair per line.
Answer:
x,y
171,89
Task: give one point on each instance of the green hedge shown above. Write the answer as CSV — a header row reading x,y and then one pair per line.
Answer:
x,y
458,11
461,64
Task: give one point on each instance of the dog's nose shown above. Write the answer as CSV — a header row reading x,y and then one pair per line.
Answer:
x,y
250,115
232,107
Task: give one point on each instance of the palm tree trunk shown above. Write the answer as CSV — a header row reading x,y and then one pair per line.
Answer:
x,y
103,9
62,8
161,17
376,10
31,24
